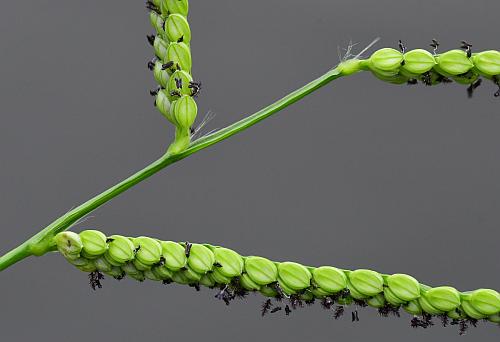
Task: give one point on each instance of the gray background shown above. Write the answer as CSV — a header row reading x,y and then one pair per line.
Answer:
x,y
361,174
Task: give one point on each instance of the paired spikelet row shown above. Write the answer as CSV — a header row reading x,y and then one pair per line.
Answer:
x,y
212,266
172,68
399,67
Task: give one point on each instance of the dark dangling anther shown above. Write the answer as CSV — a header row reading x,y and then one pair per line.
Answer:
x,y
496,80
225,295
187,249
326,303
196,286
238,290
426,78
443,79
152,7
178,83
154,92
412,81
467,47
161,262
280,294
276,309
287,310
415,322
95,280
175,93
265,307
296,302
195,88
462,327
151,39
339,311
434,46
472,321
418,323
354,316
120,276
167,65
427,318
472,87
444,320
402,48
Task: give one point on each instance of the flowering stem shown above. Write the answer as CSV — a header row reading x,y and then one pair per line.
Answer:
x,y
42,242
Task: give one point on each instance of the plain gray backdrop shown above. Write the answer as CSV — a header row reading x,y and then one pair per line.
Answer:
x,y
361,174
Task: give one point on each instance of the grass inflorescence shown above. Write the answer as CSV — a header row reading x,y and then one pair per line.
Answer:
x,y
172,66
402,66
289,286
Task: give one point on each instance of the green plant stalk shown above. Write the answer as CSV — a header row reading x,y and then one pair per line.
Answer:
x,y
42,242
386,64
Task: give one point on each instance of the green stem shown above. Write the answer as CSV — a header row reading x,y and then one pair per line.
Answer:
x,y
42,243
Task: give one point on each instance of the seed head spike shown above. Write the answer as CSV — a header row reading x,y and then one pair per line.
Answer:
x,y
236,275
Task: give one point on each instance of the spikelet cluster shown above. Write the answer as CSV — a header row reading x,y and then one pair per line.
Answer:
x,y
400,66
217,267
171,67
